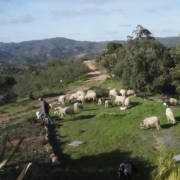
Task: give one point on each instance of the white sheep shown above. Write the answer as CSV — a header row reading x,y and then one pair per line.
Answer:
x,y
62,99
65,111
127,102
173,101
81,98
113,93
37,114
150,121
73,97
78,106
119,99
123,108
90,91
123,92
99,101
170,115
130,92
107,103
90,96
80,93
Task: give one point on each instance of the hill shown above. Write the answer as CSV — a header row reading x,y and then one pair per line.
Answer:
x,y
42,51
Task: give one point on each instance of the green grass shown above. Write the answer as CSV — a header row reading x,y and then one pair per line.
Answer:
x,y
112,136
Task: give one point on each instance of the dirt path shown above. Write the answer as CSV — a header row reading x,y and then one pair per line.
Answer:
x,y
94,75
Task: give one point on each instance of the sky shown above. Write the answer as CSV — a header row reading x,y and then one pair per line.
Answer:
x,y
86,20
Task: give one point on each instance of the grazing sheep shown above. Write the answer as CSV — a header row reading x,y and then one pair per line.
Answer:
x,y
170,115
90,91
130,93
62,99
81,98
113,93
92,96
78,106
127,102
73,97
123,92
108,103
65,111
173,101
150,121
119,99
80,93
126,170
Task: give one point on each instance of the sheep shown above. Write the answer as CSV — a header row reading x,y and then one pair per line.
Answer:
x,y
130,92
107,103
119,99
73,97
90,91
80,93
78,106
123,92
113,93
100,101
123,108
173,101
127,102
92,96
81,98
65,111
56,110
126,170
170,115
150,121
62,99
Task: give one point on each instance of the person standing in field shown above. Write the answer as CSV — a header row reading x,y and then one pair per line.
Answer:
x,y
45,107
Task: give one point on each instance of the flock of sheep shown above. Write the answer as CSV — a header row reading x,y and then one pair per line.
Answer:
x,y
80,97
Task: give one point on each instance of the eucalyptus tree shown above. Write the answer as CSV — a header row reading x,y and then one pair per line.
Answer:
x,y
146,63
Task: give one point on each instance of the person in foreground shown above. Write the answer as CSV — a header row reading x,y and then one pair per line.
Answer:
x,y
45,110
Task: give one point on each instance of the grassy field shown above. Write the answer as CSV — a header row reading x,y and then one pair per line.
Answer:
x,y
111,136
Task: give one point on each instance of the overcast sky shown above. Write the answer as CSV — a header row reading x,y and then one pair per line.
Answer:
x,y
86,20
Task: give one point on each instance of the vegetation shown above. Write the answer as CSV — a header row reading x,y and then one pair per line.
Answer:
x,y
143,63
110,136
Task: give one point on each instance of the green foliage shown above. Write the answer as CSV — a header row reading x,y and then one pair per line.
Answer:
x,y
166,168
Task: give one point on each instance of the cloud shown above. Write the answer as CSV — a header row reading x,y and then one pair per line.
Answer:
x,y
125,25
17,20
86,11
158,9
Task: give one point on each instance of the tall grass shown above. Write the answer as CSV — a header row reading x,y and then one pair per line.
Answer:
x,y
167,168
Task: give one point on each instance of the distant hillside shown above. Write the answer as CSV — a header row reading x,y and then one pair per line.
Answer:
x,y
42,51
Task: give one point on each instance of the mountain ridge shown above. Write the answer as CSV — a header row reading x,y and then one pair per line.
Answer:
x,y
36,52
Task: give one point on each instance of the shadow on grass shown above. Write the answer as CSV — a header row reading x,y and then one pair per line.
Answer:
x,y
90,109
166,126
105,166
177,118
83,117
134,104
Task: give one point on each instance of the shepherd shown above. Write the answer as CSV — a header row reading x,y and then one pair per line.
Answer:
x,y
45,110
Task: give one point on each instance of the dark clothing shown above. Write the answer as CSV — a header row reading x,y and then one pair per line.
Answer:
x,y
45,107
45,111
